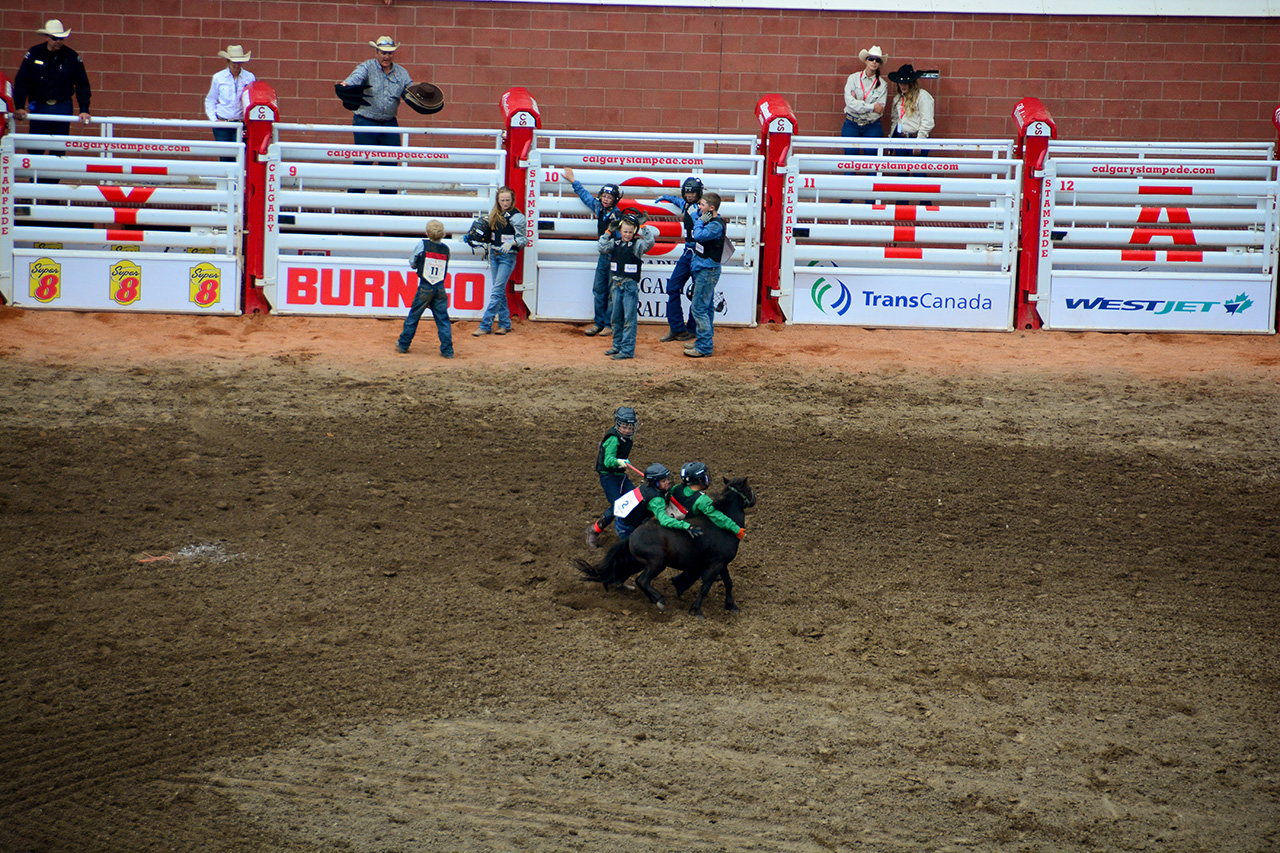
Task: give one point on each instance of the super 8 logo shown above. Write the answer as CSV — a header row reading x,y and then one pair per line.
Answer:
x,y
45,279
345,287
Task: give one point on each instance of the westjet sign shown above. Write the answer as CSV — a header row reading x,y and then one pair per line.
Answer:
x,y
1237,303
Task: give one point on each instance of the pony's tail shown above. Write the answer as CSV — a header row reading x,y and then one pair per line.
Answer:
x,y
612,569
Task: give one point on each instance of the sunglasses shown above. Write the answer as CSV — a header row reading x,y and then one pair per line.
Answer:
x,y
874,59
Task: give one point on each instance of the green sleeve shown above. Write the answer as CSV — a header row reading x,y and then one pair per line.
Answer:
x,y
704,505
658,506
611,453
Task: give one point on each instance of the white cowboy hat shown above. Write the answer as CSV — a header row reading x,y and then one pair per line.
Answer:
x,y
386,44
874,51
53,27
235,53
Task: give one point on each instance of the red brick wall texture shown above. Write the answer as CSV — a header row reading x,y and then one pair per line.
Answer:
x,y
667,67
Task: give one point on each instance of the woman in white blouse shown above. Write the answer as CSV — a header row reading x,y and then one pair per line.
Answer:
x,y
912,110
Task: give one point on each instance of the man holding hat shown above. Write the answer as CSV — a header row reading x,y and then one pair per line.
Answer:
x,y
223,102
51,73
384,83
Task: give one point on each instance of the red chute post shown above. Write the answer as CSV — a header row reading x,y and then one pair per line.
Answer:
x,y
520,118
1035,129
777,126
261,112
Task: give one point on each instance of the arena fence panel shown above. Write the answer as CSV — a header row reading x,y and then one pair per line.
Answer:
x,y
151,221
342,220
1159,237
560,263
881,235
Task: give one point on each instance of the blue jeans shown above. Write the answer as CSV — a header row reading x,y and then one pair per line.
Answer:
x,y
625,301
679,275
615,486
435,297
50,128
600,293
500,265
382,139
875,130
226,134
704,290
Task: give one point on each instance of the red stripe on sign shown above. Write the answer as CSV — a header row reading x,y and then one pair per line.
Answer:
x,y
113,169
904,253
932,207
879,207
1186,256
1146,189
114,234
907,188
904,212
126,215
904,233
1136,255
150,170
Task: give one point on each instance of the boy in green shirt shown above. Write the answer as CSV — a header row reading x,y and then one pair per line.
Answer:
x,y
689,498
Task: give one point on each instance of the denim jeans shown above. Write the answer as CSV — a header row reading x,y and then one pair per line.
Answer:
x,y
615,486
437,299
704,290
675,284
500,265
382,139
226,134
875,130
625,301
600,294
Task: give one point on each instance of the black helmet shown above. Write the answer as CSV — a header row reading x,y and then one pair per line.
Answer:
x,y
632,217
625,416
655,473
613,190
694,184
695,474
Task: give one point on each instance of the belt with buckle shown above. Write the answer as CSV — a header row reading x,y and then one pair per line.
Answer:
x,y
52,101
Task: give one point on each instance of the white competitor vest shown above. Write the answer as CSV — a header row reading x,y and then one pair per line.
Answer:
x,y
623,506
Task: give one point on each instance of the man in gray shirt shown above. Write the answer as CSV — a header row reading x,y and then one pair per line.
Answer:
x,y
387,82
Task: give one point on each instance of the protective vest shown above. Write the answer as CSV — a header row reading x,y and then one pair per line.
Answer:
x,y
641,513
713,249
623,261
624,451
680,501
605,218
504,227
687,221
433,262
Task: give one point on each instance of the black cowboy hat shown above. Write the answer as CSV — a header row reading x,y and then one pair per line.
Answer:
x,y
424,98
908,74
352,97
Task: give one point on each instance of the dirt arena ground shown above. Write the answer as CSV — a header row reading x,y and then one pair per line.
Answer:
x,y
269,586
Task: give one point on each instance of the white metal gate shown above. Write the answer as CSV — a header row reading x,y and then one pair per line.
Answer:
x,y
561,260
138,223
895,237
1159,237
342,220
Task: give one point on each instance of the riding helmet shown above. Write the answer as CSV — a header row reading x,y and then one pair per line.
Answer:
x,y
694,184
613,190
625,416
656,473
695,474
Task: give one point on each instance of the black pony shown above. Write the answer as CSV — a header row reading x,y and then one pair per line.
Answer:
x,y
652,547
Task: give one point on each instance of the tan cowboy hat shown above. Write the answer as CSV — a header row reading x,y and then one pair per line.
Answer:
x,y
386,44
53,27
235,53
874,51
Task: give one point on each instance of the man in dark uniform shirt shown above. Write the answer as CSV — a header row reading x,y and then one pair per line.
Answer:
x,y
50,75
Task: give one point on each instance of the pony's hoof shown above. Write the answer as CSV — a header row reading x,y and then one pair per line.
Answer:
x,y
661,605
697,611
733,608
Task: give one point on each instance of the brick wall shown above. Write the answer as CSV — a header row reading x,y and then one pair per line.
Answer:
x,y
641,68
